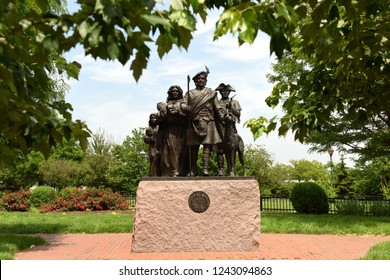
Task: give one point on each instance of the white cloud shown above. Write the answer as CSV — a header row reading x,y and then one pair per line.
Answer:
x,y
175,66
113,73
227,48
208,26
117,117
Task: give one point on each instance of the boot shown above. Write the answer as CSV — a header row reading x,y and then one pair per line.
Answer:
x,y
206,161
220,164
193,171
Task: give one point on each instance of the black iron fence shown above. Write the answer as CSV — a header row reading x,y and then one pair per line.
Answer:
x,y
276,204
376,206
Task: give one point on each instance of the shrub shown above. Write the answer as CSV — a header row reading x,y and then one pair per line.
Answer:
x,y
90,199
41,195
67,191
61,173
350,207
282,190
309,198
2,208
16,201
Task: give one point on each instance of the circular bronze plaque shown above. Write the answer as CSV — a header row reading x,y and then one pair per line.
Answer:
x,y
199,202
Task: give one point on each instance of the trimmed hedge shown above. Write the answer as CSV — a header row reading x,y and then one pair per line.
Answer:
x,y
309,198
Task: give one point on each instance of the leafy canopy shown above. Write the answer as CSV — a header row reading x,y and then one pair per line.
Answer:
x,y
343,46
34,35
338,68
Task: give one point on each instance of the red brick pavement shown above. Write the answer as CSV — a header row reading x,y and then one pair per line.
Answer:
x,y
272,247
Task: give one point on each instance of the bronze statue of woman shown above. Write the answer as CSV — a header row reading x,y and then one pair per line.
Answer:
x,y
171,136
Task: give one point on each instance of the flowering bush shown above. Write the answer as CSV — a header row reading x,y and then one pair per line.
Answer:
x,y
91,199
2,208
16,201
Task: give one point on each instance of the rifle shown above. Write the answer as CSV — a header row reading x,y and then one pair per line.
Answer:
x,y
189,123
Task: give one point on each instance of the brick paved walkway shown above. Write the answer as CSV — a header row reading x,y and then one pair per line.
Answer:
x,y
272,247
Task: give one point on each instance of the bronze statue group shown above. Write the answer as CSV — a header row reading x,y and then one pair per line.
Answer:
x,y
183,123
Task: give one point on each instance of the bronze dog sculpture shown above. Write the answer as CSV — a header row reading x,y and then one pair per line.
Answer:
x,y
232,144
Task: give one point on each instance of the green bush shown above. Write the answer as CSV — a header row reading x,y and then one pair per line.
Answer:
x,y
67,191
2,194
42,195
61,173
309,198
281,190
350,207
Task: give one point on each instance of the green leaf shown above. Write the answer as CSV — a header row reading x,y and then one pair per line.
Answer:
x,y
43,5
138,65
177,4
185,19
195,4
225,16
164,44
50,43
271,127
278,44
321,11
44,148
83,29
247,33
99,5
12,86
185,37
257,126
56,135
272,100
283,129
113,49
53,122
94,36
81,132
156,20
283,11
73,70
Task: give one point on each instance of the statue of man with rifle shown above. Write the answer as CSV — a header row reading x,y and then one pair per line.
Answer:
x,y
231,143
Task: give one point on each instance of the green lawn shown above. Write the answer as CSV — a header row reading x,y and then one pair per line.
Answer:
x,y
10,244
93,222
324,224
380,251
12,223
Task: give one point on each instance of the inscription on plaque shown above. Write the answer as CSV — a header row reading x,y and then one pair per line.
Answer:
x,y
199,202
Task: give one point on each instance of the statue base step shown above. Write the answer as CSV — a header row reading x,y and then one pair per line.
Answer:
x,y
191,214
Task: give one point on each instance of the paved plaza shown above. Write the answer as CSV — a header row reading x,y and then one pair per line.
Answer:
x,y
272,247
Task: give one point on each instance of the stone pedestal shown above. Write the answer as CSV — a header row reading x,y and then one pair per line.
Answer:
x,y
215,214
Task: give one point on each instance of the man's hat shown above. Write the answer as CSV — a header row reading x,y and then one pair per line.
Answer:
x,y
198,74
222,86
206,73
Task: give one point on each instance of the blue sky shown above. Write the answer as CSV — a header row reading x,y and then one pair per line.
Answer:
x,y
107,97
